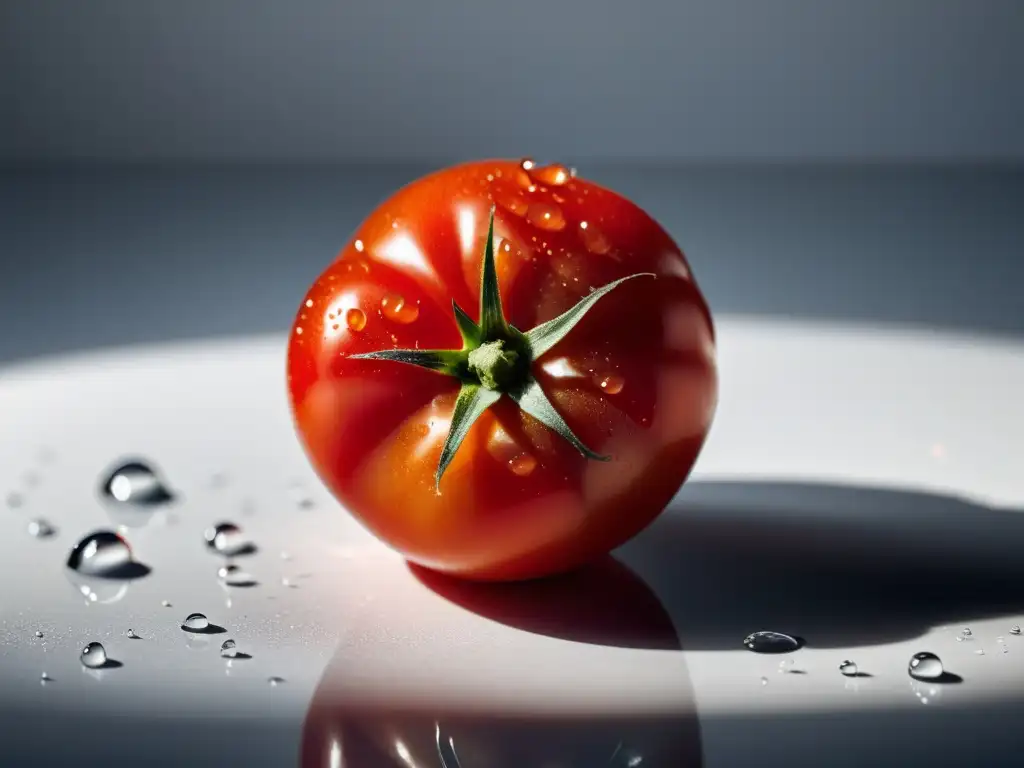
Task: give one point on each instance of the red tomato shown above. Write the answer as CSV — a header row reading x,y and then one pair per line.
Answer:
x,y
634,380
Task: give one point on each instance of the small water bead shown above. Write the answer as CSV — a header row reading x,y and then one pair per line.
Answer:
x,y
848,669
45,678
358,245
522,465
165,603
234,576
611,384
14,500
137,483
786,664
593,239
1015,629
966,632
102,553
40,529
546,216
764,681
228,649
980,652
766,641
227,539
38,633
195,622
355,319
527,164
512,201
275,681
925,666
556,175
131,635
395,308
93,656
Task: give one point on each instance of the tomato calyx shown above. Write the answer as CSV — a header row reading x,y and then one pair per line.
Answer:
x,y
496,360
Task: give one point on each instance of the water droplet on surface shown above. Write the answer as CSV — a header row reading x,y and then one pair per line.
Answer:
x,y
594,239
286,582
925,666
355,319
848,669
228,649
227,539
512,201
40,529
766,641
234,576
1015,629
966,632
554,174
522,465
546,216
611,384
38,633
786,664
195,622
764,681
395,308
93,656
102,553
135,482
527,164
131,634
165,603
45,678
980,652
275,681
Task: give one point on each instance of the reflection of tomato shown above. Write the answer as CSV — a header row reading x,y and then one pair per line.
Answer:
x,y
633,381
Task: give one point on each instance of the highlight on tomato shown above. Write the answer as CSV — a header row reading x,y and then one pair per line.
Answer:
x,y
506,373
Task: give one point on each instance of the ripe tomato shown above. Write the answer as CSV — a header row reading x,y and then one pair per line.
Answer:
x,y
512,490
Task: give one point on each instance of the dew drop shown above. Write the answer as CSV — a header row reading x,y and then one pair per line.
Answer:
x,y
1015,629
764,681
234,576
611,384
131,634
966,632
102,553
786,664
358,245
522,465
925,666
395,308
556,175
228,649
594,239
93,656
227,539
527,164
275,681
848,669
355,319
165,603
766,641
512,201
546,216
38,633
195,622
980,652
137,483
40,528
45,678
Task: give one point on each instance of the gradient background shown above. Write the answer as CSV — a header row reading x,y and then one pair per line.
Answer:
x,y
184,169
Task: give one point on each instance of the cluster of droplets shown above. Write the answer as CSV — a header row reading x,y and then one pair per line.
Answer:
x,y
106,557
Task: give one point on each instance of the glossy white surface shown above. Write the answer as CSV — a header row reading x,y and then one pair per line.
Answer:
x,y
861,489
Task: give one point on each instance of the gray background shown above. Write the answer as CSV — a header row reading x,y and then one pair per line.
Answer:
x,y
180,170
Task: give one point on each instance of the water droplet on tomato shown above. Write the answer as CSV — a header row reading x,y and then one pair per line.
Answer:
x,y
355,319
512,201
395,308
102,553
612,384
523,464
594,239
137,483
358,245
527,164
545,216
93,656
555,174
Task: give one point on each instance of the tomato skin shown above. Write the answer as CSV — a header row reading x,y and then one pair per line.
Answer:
x,y
636,379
